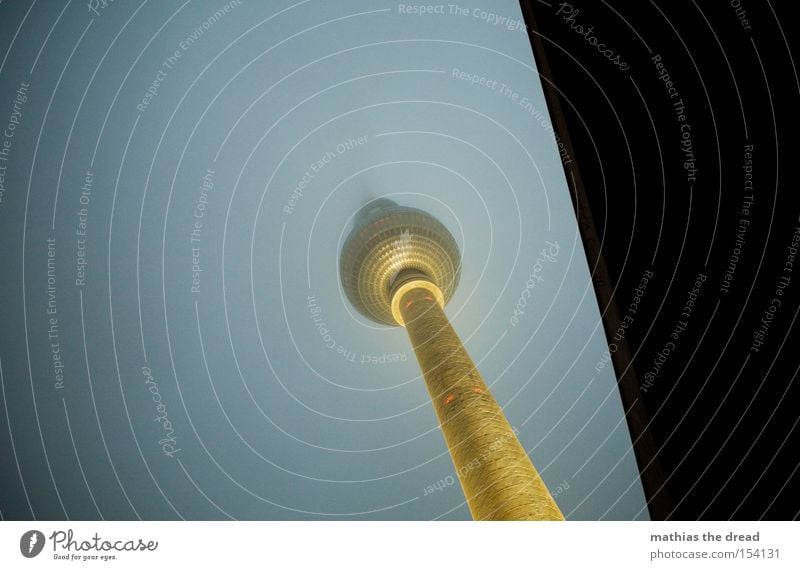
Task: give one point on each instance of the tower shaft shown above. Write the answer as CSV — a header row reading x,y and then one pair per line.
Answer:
x,y
496,475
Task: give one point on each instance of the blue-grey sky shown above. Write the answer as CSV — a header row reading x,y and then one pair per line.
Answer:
x,y
195,167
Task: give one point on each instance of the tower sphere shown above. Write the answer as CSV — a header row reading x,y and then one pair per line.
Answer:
x,y
390,245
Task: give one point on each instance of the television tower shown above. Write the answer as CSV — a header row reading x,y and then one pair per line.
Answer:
x,y
400,266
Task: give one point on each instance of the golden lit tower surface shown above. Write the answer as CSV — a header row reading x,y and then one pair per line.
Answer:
x,y
400,265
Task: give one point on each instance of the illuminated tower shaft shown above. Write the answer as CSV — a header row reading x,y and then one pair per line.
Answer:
x,y
497,477
400,266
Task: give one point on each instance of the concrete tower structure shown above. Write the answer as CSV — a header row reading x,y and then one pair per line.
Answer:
x,y
400,266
